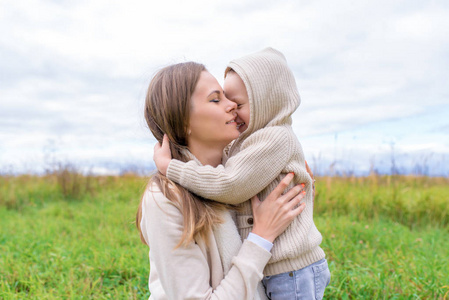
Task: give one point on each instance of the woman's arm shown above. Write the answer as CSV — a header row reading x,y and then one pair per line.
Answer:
x,y
184,271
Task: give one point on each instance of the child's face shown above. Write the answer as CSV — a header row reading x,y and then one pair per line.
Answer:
x,y
235,91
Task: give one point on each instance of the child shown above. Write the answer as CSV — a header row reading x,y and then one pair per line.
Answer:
x,y
267,149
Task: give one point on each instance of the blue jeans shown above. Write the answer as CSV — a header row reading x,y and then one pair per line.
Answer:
x,y
307,283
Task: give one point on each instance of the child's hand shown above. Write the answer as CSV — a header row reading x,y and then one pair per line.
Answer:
x,y
162,155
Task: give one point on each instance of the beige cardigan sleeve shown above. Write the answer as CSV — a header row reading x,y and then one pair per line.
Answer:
x,y
263,156
184,272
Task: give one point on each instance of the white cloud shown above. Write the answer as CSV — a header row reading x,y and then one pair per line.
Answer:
x,y
76,72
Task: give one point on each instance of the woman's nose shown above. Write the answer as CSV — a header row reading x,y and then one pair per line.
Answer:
x,y
231,106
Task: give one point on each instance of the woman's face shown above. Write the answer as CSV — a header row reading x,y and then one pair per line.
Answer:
x,y
212,116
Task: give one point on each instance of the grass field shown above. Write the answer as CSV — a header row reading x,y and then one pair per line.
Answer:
x,y
68,236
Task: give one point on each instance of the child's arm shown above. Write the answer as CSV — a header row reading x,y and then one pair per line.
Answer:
x,y
263,156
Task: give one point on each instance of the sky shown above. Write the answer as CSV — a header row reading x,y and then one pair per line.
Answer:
x,y
373,78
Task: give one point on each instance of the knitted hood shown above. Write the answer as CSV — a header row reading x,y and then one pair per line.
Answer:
x,y
273,95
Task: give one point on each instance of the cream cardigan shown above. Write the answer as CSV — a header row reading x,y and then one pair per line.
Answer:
x,y
227,269
258,160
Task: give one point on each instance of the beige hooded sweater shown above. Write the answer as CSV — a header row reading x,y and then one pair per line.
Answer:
x,y
258,160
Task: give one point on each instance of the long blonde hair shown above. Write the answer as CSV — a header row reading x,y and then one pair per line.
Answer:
x,y
167,110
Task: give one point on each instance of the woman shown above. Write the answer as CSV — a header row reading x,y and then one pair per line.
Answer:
x,y
193,242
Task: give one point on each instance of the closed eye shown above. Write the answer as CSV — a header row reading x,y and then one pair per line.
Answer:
x,y
215,100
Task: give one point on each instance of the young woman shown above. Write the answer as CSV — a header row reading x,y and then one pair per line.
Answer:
x,y
195,249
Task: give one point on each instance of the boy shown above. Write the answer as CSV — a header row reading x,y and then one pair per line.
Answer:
x,y
267,149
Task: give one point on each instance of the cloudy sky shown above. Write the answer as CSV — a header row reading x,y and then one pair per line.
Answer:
x,y
373,77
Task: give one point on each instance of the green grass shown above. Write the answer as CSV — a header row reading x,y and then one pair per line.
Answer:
x,y
384,237
77,248
412,201
384,260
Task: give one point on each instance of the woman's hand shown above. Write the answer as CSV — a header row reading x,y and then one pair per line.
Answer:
x,y
277,211
162,155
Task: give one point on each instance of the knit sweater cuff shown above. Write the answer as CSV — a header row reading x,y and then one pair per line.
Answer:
x,y
174,170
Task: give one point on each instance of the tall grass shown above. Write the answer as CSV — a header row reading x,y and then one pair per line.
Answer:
x,y
58,247
72,183
384,259
65,235
66,183
410,200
